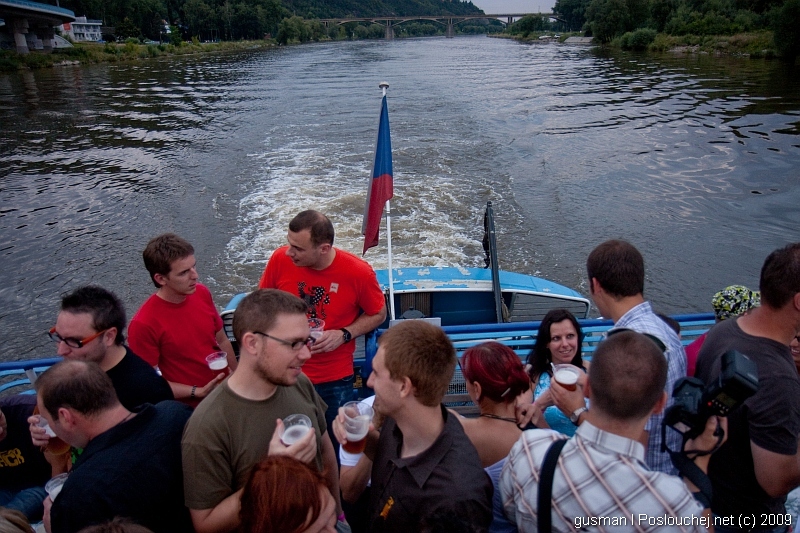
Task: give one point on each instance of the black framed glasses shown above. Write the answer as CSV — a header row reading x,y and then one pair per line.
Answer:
x,y
71,341
294,345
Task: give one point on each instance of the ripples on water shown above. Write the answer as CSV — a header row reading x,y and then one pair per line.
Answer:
x,y
694,159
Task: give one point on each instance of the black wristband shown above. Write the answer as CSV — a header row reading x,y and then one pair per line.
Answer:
x,y
194,389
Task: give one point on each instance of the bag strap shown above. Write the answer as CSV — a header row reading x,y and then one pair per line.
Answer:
x,y
545,509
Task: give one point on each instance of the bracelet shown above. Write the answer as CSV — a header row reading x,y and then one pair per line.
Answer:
x,y
341,517
194,389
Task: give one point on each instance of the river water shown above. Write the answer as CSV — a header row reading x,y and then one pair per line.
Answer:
x,y
694,159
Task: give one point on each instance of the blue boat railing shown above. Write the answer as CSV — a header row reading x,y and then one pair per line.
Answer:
x,y
521,337
19,376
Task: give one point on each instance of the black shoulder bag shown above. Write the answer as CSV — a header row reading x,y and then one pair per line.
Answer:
x,y
545,509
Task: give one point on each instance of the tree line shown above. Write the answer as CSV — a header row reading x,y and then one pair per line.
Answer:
x,y
287,20
637,23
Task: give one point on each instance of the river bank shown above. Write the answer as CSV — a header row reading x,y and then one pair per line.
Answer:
x,y
92,53
754,45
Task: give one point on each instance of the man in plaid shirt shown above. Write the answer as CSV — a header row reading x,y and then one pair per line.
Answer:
x,y
601,481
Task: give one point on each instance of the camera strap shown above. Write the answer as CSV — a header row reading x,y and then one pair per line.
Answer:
x,y
692,472
545,492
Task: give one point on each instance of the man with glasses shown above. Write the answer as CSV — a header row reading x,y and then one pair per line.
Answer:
x,y
241,421
337,287
90,327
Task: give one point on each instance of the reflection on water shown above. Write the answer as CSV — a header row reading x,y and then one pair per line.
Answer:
x,y
694,159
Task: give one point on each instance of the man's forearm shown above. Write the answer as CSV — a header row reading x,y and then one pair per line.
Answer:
x,y
366,323
223,518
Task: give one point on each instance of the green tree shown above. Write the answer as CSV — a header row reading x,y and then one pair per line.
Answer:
x,y
126,29
572,12
199,17
607,19
786,30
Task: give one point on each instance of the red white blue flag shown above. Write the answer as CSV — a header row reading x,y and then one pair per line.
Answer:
x,y
380,186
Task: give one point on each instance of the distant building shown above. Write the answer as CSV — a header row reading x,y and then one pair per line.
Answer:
x,y
83,29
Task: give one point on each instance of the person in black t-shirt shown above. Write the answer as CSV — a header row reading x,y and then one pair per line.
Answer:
x,y
90,328
759,464
23,468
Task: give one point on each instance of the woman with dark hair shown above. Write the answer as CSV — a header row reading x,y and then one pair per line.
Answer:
x,y
283,495
494,378
558,342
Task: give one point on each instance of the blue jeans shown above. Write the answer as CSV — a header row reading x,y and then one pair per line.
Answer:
x,y
335,394
27,501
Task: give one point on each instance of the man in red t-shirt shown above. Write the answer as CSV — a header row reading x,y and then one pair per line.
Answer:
x,y
178,326
340,289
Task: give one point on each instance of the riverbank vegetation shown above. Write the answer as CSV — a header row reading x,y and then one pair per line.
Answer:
x,y
758,28
89,53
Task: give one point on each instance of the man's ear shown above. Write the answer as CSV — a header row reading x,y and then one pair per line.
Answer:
x,y
110,336
796,301
325,248
250,342
660,404
161,279
66,417
406,387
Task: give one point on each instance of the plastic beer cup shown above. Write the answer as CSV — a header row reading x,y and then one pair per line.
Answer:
x,y
217,361
295,428
357,418
317,327
567,376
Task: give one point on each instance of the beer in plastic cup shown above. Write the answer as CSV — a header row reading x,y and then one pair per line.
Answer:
x,y
55,445
217,361
295,428
357,417
53,487
567,376
317,327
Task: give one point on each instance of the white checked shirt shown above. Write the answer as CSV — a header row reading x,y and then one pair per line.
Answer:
x,y
600,484
642,319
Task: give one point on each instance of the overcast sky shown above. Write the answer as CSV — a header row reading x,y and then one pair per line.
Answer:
x,y
514,6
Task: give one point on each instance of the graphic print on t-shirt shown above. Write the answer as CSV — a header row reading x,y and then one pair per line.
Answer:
x,y
315,298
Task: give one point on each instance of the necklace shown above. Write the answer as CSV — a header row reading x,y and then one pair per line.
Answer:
x,y
507,419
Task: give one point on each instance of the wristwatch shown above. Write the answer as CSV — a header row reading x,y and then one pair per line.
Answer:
x,y
346,335
576,414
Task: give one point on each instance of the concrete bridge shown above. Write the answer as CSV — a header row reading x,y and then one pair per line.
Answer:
x,y
449,21
30,25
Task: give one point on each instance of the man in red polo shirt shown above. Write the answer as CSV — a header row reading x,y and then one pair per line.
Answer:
x,y
340,289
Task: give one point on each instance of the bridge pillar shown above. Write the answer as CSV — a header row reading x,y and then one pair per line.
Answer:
x,y
48,36
389,30
451,32
20,28
510,21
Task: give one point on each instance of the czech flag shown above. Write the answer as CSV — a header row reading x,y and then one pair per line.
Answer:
x,y
380,186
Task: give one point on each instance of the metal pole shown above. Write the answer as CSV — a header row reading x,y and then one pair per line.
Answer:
x,y
384,85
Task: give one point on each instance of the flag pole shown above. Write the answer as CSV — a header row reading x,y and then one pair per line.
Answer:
x,y
384,85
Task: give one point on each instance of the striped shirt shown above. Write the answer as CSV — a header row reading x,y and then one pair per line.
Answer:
x,y
642,319
601,483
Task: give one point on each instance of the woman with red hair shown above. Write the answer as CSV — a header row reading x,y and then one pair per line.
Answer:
x,y
495,379
283,495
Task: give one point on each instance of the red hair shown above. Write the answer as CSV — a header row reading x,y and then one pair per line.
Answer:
x,y
498,370
278,496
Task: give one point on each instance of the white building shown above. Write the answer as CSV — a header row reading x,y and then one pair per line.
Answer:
x,y
83,29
